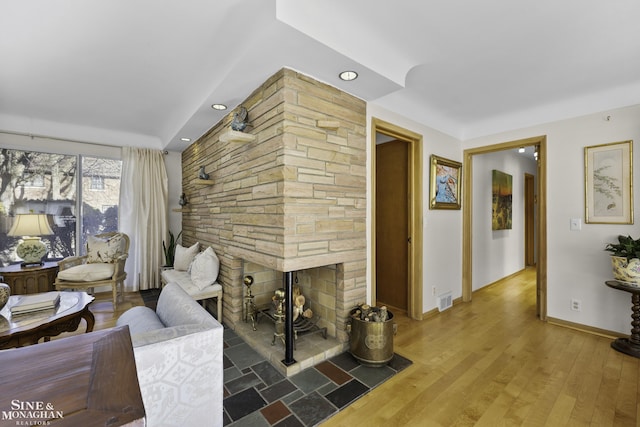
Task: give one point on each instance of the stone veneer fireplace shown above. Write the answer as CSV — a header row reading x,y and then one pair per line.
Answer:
x,y
288,195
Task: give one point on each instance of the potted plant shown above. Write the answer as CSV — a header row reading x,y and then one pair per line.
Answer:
x,y
170,249
625,259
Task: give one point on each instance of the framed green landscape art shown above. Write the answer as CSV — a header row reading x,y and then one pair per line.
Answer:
x,y
608,170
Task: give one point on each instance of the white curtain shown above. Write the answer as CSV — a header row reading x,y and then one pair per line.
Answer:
x,y
143,214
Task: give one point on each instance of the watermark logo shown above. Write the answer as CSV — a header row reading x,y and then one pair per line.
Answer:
x,y
31,413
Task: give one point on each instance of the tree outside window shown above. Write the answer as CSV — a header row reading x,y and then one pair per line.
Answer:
x,y
46,183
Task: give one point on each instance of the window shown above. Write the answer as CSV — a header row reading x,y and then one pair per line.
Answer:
x,y
97,183
46,183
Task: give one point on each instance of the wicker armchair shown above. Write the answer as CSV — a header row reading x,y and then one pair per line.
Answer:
x,y
102,266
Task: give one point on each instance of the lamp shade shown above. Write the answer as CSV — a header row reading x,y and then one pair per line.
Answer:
x,y
30,225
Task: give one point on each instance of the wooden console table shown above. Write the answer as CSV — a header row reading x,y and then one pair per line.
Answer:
x,y
82,380
30,280
631,345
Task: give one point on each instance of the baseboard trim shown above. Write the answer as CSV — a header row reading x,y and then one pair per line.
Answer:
x,y
434,311
585,328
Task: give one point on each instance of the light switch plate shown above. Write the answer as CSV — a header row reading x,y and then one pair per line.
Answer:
x,y
575,224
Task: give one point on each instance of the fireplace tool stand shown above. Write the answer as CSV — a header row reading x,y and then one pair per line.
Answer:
x,y
250,309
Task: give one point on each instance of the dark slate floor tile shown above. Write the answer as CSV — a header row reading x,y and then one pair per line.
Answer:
x,y
226,363
232,342
345,361
243,383
278,390
372,376
398,363
309,380
292,397
243,356
268,373
230,374
326,389
241,404
344,395
312,408
225,419
290,421
254,419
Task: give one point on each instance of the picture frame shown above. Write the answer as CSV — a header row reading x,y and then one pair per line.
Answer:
x,y
608,190
501,200
446,181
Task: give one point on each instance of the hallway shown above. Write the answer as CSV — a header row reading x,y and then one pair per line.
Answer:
x,y
491,362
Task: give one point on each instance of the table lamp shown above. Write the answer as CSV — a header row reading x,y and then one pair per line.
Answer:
x,y
31,226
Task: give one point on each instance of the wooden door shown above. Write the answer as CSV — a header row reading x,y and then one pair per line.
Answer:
x,y
392,224
529,221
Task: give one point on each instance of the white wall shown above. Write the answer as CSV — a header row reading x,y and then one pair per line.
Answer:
x,y
577,263
442,229
499,253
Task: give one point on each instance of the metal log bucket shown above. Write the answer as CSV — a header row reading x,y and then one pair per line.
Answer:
x,y
371,343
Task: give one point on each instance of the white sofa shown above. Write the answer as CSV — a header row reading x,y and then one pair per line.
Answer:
x,y
196,273
178,351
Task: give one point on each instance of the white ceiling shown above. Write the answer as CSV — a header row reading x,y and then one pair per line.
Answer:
x,y
145,72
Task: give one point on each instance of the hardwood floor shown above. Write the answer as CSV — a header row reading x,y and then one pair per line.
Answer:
x,y
102,309
488,363
492,363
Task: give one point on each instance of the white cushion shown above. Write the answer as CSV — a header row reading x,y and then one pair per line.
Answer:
x,y
205,268
104,250
184,256
87,272
182,279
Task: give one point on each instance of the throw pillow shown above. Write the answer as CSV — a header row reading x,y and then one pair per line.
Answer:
x,y
205,268
101,250
184,256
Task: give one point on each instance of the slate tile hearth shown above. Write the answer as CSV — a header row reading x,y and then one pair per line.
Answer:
x,y
257,394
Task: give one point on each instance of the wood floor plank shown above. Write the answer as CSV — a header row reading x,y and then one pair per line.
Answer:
x,y
491,362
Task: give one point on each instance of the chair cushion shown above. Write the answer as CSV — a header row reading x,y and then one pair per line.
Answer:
x,y
182,279
87,272
205,268
184,256
104,250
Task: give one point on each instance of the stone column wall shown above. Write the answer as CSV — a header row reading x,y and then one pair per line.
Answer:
x,y
292,199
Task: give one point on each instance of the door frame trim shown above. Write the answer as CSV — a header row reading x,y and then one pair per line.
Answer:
x,y
541,220
414,303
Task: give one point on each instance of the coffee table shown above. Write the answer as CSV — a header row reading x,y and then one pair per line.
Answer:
x,y
25,329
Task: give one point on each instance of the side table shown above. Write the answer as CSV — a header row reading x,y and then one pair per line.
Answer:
x,y
30,280
631,345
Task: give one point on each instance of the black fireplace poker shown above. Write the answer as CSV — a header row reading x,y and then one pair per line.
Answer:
x,y
288,320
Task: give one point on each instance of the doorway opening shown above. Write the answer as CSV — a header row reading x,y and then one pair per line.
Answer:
x,y
405,278
540,223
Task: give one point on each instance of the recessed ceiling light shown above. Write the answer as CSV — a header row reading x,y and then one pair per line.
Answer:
x,y
521,150
348,75
185,139
219,107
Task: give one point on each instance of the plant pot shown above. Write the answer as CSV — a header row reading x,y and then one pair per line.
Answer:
x,y
626,271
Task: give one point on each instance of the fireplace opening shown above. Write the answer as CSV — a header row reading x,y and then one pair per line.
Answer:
x,y
316,325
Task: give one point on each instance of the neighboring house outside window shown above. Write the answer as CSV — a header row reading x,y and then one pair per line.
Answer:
x,y
46,183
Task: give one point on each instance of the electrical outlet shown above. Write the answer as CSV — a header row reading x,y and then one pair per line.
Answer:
x,y
576,305
434,291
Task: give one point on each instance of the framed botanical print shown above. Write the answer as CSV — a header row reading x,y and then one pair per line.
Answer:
x,y
608,178
446,178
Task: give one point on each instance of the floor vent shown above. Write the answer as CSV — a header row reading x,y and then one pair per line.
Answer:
x,y
445,301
